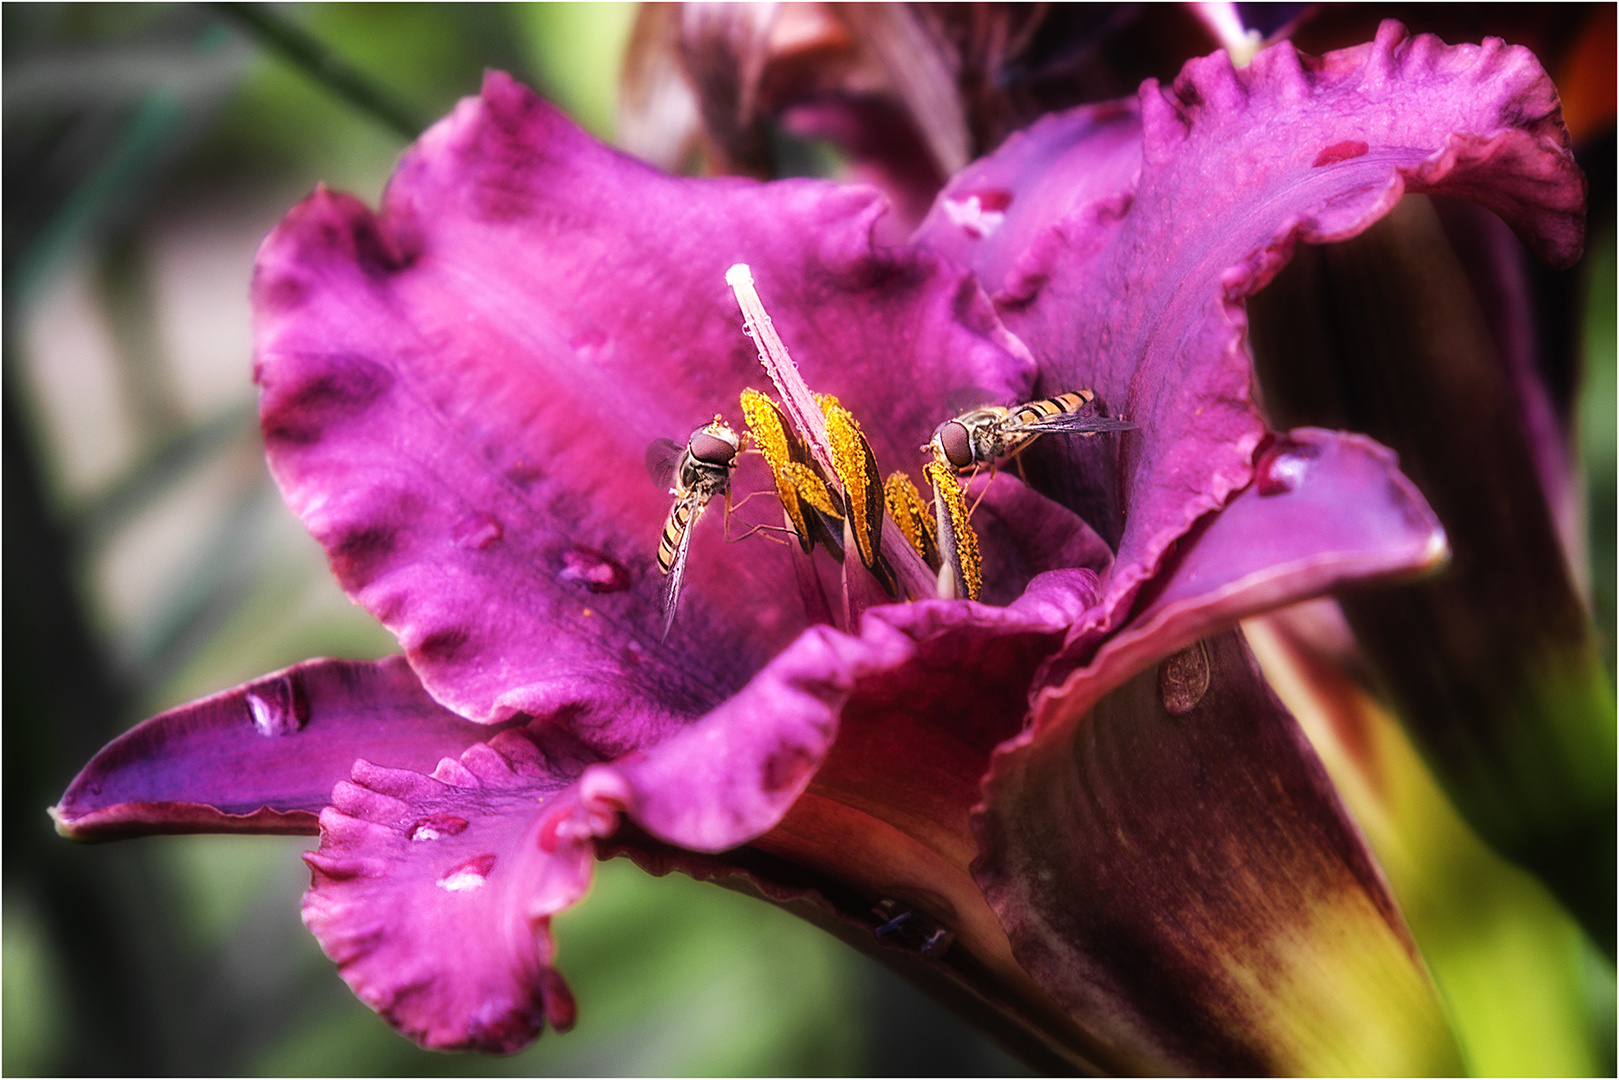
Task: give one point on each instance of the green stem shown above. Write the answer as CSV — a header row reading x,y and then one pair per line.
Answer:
x,y
310,55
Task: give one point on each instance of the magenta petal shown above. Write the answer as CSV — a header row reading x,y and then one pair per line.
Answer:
x,y
996,215
262,757
421,894
434,893
1140,292
730,776
459,391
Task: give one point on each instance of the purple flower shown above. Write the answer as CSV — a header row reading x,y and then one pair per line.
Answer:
x,y
1075,809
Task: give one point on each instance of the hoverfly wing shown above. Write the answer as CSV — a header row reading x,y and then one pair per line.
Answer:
x,y
964,399
662,455
1074,424
688,510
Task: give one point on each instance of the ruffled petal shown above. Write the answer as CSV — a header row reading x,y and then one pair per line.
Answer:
x,y
422,893
458,394
1278,541
434,893
1138,293
1183,879
261,758
1327,509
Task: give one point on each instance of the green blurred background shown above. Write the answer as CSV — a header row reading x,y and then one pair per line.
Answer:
x,y
149,560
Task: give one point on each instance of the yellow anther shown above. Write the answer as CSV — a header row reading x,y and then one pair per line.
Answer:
x,y
958,544
857,472
770,435
811,488
913,516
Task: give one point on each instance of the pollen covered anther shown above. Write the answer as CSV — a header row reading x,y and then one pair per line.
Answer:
x,y
863,497
911,514
960,576
843,460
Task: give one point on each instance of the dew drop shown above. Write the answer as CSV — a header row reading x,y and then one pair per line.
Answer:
x,y
1184,678
594,570
478,530
977,213
587,342
467,876
437,827
277,707
1283,467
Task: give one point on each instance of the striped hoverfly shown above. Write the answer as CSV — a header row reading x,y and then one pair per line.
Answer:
x,y
695,475
981,436
985,435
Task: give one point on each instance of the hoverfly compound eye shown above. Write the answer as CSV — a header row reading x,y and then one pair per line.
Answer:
x,y
712,449
956,443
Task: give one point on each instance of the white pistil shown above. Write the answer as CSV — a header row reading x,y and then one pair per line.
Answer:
x,y
1225,23
796,397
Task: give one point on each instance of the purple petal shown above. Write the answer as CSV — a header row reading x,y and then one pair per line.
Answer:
x,y
421,892
1326,509
1023,534
996,215
1180,875
434,893
458,393
262,757
1140,293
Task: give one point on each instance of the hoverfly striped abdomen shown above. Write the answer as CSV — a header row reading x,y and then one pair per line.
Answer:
x,y
1036,412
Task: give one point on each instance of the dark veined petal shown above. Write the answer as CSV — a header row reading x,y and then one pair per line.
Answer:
x,y
458,392
1181,875
262,757
1493,667
1139,292
1051,801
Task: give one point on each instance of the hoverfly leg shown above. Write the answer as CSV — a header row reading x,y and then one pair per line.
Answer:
x,y
729,506
983,491
765,529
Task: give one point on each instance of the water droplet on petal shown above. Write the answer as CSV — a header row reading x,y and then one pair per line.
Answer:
x,y
1184,678
594,570
587,342
472,874
1283,467
437,827
477,531
277,707
977,213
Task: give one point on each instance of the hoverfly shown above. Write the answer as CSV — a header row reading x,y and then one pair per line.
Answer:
x,y
695,476
985,435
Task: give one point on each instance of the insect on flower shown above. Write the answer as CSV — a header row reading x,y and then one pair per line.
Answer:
x,y
988,433
983,436
695,476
